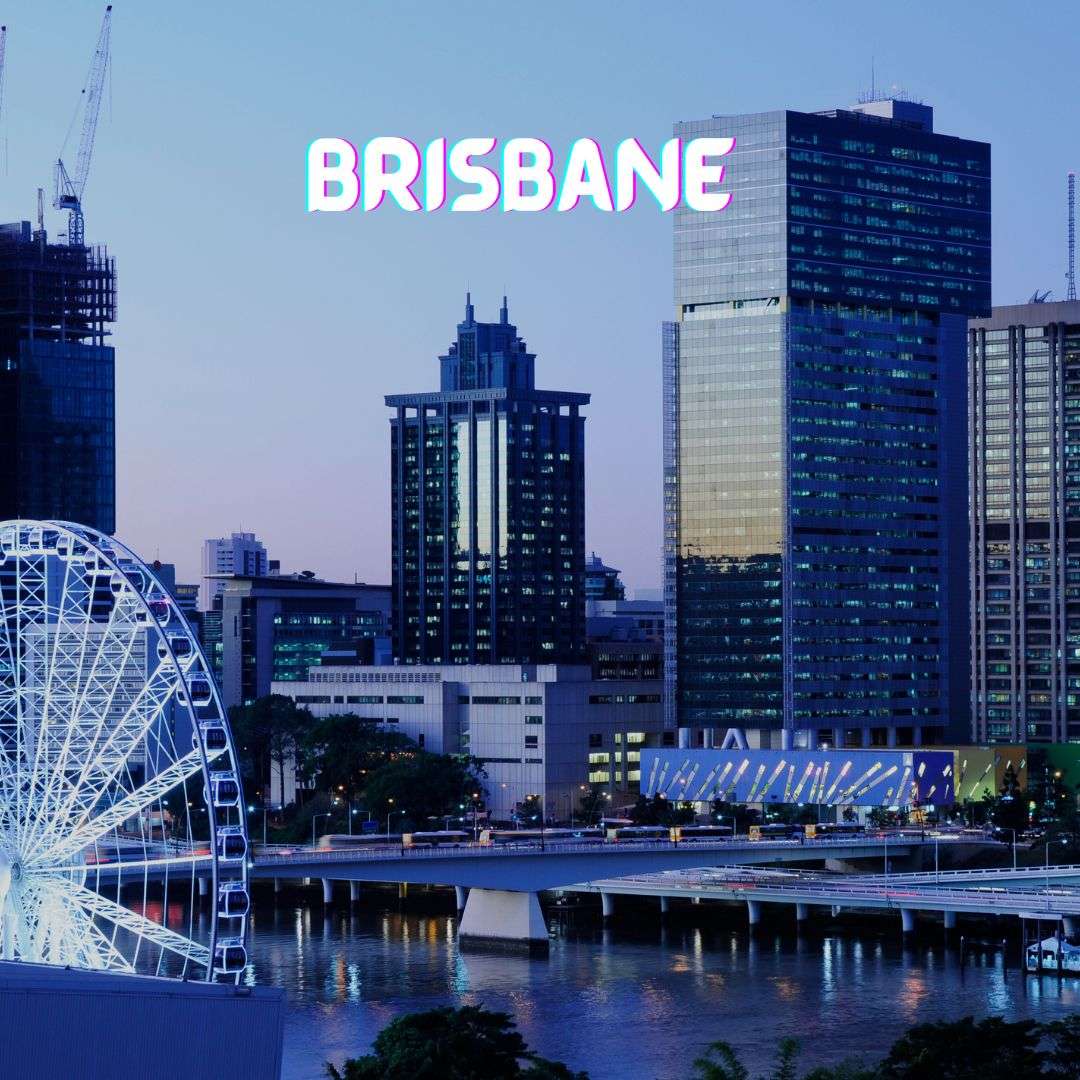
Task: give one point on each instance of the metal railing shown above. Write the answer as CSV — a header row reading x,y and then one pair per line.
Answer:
x,y
382,852
823,893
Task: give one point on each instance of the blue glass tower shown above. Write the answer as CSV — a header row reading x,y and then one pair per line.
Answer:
x,y
57,392
815,429
488,483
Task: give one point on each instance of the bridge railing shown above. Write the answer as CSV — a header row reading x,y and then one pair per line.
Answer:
x,y
824,893
382,852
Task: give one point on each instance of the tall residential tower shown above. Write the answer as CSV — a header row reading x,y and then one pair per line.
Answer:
x,y
1025,542
815,430
488,482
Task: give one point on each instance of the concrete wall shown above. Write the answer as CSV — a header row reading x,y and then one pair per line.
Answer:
x,y
97,1026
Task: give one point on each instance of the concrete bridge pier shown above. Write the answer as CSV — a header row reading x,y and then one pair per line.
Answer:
x,y
354,891
753,910
907,920
802,912
1071,925
950,919
461,895
277,885
665,903
204,887
607,905
836,909
494,918
327,891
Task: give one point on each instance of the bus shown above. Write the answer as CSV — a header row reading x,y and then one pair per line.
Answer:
x,y
439,838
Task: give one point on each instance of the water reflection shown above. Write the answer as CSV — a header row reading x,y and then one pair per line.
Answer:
x,y
635,999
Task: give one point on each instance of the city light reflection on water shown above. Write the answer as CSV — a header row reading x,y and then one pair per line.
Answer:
x,y
636,999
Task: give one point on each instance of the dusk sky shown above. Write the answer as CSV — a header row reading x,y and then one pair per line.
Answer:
x,y
255,342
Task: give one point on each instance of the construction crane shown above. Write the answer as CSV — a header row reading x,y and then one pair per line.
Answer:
x,y
70,187
1070,266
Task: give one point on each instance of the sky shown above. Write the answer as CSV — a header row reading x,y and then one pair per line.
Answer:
x,y
255,341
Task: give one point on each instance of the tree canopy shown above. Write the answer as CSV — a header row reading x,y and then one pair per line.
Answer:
x,y
470,1043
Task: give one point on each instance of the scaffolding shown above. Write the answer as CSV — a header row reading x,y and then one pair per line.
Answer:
x,y
53,292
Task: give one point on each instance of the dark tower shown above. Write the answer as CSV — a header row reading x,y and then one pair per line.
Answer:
x,y
57,395
488,480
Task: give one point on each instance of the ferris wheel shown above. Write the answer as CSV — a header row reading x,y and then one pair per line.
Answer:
x,y
123,839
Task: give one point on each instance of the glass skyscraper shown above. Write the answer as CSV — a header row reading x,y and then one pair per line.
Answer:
x,y
815,429
1025,541
57,380
488,481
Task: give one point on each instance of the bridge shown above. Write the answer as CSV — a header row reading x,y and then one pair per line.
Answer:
x,y
498,885
952,893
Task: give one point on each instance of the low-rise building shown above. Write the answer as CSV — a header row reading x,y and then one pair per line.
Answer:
x,y
536,728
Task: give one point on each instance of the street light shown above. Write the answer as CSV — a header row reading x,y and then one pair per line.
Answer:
x,y
389,813
251,810
315,818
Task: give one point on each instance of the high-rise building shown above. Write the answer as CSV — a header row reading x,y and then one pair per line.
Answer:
x,y
241,553
815,430
1025,523
57,380
488,480
274,628
602,582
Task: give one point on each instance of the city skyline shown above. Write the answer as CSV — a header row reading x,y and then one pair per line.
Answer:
x,y
203,399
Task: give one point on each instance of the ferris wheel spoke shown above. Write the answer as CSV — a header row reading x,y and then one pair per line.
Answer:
x,y
85,831
132,921
164,867
98,948
90,706
110,757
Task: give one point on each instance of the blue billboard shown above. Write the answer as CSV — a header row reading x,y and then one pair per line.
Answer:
x,y
828,777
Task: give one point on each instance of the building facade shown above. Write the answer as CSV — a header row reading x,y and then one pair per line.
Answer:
x,y
242,553
1025,523
273,629
542,731
57,380
815,430
488,485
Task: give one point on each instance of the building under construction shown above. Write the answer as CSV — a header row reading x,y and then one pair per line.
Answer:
x,y
57,401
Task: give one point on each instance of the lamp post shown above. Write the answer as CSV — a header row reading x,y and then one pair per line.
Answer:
x,y
389,812
314,819
251,810
475,826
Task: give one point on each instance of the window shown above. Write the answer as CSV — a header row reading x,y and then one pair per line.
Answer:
x,y
532,742
534,719
364,699
496,701
312,699
596,740
534,701
405,699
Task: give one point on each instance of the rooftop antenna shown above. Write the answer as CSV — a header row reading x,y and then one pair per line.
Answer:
x,y
1070,268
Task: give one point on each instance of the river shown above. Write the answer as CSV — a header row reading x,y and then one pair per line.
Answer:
x,y
636,1000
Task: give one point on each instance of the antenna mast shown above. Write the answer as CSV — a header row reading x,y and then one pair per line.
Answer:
x,y
1070,268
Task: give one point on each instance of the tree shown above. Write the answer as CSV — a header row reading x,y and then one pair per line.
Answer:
x,y
592,805
990,1049
1063,1054
719,1062
1010,811
425,785
267,734
469,1043
340,752
660,811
